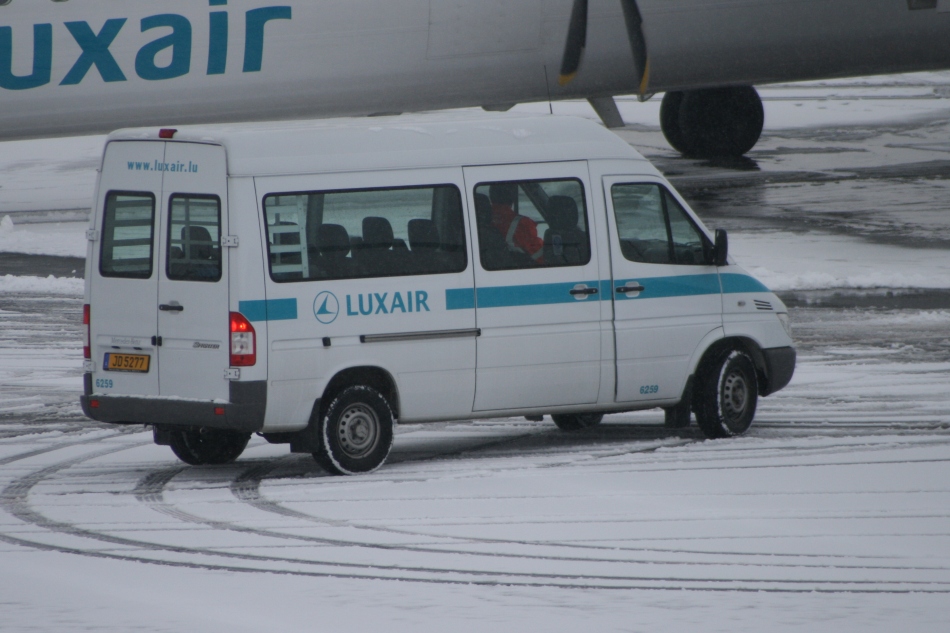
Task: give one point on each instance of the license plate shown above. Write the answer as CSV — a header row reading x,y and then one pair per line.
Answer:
x,y
127,362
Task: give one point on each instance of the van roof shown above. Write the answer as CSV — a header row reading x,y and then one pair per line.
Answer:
x,y
398,142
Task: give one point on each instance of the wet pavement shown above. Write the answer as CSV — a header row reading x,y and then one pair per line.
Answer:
x,y
886,184
41,265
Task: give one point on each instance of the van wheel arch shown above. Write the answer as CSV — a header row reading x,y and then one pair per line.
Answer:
x,y
737,343
375,377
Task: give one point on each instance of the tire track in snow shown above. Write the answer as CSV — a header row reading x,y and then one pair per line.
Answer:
x,y
246,487
15,500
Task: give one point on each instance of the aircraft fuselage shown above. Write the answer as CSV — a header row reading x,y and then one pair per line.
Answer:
x,y
88,66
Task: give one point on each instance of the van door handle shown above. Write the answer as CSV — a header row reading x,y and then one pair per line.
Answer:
x,y
584,291
626,289
171,308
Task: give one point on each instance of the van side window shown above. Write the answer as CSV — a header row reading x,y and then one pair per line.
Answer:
x,y
194,238
655,229
365,233
127,235
532,224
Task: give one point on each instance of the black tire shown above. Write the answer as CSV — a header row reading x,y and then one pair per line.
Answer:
x,y
208,446
577,421
670,121
728,395
720,122
356,433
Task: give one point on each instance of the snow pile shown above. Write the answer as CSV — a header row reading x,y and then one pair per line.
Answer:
x,y
63,239
49,174
41,285
787,261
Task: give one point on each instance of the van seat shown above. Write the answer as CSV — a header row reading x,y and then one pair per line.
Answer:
x,y
564,243
423,236
376,256
494,249
333,243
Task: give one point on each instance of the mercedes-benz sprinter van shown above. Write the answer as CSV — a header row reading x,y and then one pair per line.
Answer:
x,y
316,282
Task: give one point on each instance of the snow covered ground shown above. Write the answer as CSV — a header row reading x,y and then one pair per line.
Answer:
x,y
830,515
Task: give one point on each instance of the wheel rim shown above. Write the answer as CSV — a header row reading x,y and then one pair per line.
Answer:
x,y
359,431
735,395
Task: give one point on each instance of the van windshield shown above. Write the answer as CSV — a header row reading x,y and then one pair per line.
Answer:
x,y
365,233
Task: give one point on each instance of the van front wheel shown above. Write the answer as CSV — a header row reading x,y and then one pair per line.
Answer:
x,y
577,421
728,396
208,446
356,432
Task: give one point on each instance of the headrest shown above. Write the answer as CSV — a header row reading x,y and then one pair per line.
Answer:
x,y
423,235
503,192
195,233
333,240
377,233
482,210
198,238
562,213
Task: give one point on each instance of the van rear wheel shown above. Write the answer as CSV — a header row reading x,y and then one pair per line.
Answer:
x,y
356,433
577,421
208,446
728,396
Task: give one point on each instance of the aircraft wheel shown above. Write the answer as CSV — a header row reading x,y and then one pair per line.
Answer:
x,y
577,421
356,434
208,446
717,122
670,121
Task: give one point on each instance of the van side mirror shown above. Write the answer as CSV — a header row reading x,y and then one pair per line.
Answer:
x,y
721,251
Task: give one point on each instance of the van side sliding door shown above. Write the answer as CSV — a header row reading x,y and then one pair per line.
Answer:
x,y
538,301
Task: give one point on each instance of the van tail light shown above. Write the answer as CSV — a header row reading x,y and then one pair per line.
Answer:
x,y
243,341
86,345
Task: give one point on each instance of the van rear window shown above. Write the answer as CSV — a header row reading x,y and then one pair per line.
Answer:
x,y
128,230
365,233
194,238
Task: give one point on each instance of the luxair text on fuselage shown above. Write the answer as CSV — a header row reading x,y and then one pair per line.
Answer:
x,y
95,42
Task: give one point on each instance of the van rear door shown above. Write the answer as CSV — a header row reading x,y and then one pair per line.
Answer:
x,y
192,306
124,277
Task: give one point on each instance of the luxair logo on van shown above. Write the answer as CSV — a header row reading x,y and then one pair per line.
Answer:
x,y
326,307
95,45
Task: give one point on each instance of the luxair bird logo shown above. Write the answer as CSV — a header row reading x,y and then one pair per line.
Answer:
x,y
326,307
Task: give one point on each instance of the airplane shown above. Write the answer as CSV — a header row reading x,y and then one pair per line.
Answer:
x,y
70,67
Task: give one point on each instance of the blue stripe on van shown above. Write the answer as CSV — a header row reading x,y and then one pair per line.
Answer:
x,y
530,295
678,286
733,283
272,310
460,299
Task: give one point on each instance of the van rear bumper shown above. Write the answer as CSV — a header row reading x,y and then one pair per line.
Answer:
x,y
779,368
244,412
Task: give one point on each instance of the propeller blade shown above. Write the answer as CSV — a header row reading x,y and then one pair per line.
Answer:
x,y
576,42
638,44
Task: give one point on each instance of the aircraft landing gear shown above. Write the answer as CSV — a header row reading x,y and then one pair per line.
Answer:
x,y
712,122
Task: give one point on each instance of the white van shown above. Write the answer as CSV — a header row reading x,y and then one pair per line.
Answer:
x,y
315,283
